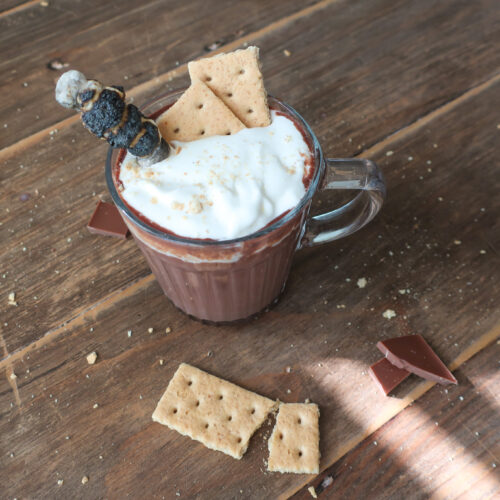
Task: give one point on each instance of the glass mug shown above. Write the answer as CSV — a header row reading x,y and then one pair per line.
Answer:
x,y
223,281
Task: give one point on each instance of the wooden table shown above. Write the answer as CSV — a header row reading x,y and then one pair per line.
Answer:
x,y
413,85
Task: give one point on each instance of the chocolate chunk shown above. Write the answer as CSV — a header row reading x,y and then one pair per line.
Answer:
x,y
107,221
386,375
414,354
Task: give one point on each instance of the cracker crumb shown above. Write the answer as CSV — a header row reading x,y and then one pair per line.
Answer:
x,y
457,242
287,53
177,206
402,291
361,282
340,306
482,252
85,479
44,3
389,153
95,406
312,491
91,358
162,362
168,329
12,299
60,482
389,313
288,369
288,391
440,198
13,376
195,206
129,333
327,482
150,330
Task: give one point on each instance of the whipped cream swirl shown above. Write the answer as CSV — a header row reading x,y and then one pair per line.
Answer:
x,y
221,187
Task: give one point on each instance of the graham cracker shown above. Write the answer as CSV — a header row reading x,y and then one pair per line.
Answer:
x,y
215,412
236,78
294,443
197,114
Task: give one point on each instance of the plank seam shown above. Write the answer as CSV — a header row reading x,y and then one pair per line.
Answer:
x,y
76,320
424,120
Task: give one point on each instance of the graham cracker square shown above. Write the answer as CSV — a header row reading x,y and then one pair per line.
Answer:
x,y
236,78
197,114
215,412
294,443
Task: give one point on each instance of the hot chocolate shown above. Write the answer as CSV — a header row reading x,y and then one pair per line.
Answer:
x,y
239,276
217,183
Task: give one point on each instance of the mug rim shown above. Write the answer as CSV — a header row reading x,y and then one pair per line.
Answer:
x,y
281,220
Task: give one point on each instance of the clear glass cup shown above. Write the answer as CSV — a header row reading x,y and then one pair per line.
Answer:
x,y
223,281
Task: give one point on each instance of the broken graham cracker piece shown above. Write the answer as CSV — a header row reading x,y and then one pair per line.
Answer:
x,y
197,114
215,412
236,78
294,443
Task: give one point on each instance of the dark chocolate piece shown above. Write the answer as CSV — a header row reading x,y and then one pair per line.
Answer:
x,y
414,354
107,221
386,375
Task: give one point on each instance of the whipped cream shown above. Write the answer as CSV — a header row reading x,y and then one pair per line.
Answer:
x,y
221,187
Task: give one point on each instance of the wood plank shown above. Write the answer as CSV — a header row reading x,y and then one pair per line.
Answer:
x,y
464,56
342,124
445,445
454,289
124,43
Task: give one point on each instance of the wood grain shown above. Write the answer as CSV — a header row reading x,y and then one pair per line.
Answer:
x,y
9,7
446,445
84,270
123,43
325,329
449,37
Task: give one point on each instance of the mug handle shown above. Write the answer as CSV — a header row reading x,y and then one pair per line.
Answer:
x,y
347,173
